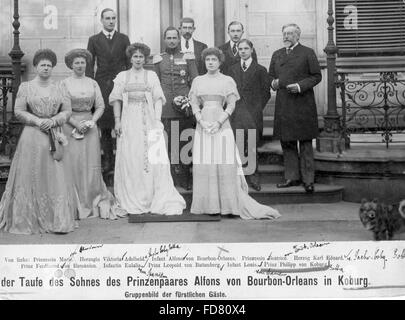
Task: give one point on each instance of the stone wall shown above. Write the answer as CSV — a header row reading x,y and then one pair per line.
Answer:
x,y
60,25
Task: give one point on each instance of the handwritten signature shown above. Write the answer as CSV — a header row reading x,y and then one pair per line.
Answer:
x,y
300,247
155,252
364,255
79,249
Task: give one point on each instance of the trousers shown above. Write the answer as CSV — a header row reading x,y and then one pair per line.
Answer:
x,y
299,164
179,151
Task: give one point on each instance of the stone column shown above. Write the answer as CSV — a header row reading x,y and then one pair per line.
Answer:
x,y
144,23
330,139
16,54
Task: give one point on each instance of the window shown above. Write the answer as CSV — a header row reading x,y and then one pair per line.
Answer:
x,y
370,27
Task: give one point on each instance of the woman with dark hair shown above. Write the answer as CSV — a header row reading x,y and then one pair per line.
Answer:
x,y
142,181
219,186
83,158
38,195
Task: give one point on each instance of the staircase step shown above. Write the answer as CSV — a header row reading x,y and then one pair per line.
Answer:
x,y
267,133
271,195
268,125
271,173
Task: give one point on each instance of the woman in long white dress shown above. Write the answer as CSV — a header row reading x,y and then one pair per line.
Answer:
x,y
219,185
142,181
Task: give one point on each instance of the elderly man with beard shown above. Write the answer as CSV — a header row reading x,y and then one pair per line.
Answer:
x,y
294,72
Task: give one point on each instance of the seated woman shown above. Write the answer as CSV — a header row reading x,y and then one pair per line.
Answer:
x,y
83,158
219,186
37,197
142,181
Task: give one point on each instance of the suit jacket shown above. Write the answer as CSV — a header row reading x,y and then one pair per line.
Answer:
x,y
198,49
295,115
230,59
254,90
110,59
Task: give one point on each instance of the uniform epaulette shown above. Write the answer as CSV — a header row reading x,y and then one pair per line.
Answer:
x,y
189,56
157,58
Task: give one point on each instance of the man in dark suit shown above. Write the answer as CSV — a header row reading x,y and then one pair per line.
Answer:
x,y
254,89
190,45
230,49
108,50
294,71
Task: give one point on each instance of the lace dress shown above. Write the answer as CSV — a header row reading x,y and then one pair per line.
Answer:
x,y
219,185
142,181
83,157
38,194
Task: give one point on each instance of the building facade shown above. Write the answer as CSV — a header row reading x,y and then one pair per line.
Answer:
x,y
65,24
362,91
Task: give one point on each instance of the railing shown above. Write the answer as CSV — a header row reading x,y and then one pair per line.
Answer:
x,y
6,86
372,106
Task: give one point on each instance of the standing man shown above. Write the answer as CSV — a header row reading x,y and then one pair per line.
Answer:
x,y
230,49
108,50
294,71
176,71
190,45
254,89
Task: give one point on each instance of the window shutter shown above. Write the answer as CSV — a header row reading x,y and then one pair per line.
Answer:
x,y
370,28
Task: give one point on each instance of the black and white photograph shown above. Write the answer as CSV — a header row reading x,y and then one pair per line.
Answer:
x,y
189,149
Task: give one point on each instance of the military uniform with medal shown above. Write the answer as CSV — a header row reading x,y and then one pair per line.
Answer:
x,y
176,71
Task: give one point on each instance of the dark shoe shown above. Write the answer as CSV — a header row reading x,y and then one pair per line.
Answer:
x,y
309,188
289,183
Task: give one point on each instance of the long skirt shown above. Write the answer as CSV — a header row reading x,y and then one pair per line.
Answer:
x,y
38,194
83,163
219,185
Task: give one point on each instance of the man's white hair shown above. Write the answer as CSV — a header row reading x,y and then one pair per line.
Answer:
x,y
297,28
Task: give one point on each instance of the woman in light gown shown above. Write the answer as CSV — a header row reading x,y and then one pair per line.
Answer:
x,y
142,181
83,158
37,197
219,185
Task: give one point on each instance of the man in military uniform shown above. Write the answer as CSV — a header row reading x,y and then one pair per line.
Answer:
x,y
176,71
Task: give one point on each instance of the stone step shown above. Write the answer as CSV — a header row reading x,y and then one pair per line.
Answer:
x,y
271,195
271,173
268,124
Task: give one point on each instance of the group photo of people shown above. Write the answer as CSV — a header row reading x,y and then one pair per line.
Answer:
x,y
157,123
